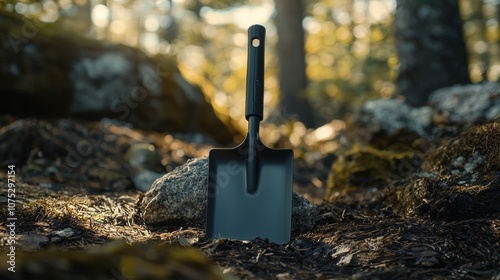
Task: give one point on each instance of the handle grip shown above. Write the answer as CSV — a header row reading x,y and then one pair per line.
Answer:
x,y
255,72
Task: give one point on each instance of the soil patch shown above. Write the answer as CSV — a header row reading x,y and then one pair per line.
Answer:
x,y
70,230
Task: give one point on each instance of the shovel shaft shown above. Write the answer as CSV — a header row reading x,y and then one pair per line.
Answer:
x,y
255,72
252,158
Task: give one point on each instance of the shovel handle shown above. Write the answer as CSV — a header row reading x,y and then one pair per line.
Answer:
x,y
255,72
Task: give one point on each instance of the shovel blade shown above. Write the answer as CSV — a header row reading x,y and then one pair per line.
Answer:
x,y
233,212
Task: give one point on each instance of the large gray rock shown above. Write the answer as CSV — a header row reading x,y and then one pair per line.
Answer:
x,y
392,114
49,71
468,104
180,196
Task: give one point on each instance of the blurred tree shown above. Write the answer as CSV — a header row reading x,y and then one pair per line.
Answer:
x,y
172,30
479,19
291,56
430,47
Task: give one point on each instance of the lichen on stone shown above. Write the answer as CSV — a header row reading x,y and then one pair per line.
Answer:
x,y
392,114
467,104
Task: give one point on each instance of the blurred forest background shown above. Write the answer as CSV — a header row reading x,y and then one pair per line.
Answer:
x,y
349,45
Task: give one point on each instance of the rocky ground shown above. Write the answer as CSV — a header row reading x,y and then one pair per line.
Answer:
x,y
415,198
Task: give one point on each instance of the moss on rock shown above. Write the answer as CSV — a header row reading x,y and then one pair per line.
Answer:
x,y
364,166
476,151
461,179
446,199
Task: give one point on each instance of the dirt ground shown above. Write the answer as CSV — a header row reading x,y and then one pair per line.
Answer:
x,y
74,223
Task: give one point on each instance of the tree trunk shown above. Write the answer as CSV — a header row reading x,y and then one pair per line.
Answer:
x,y
478,18
430,47
291,55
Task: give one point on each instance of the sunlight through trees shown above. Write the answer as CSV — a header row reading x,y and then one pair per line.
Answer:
x,y
349,44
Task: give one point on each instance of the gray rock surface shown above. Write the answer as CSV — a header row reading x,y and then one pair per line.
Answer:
x,y
392,114
467,104
180,196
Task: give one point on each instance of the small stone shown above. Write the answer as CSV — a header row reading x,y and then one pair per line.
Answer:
x,y
284,275
187,241
180,196
67,232
60,235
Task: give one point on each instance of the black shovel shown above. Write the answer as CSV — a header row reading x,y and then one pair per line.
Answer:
x,y
250,186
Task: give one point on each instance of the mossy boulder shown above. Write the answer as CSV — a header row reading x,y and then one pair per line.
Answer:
x,y
475,153
461,179
446,199
50,71
388,117
449,112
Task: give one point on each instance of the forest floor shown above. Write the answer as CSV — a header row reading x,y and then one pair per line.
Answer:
x,y
71,218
